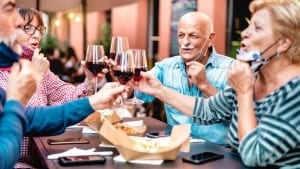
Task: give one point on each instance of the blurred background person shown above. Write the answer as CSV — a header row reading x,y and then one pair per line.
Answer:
x,y
74,68
56,63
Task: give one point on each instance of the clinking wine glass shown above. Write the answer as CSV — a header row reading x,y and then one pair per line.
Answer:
x,y
118,44
124,67
94,61
140,64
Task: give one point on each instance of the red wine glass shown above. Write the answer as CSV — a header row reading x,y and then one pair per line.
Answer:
x,y
140,64
118,44
94,60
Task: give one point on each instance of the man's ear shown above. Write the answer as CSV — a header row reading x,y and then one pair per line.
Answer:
x,y
212,36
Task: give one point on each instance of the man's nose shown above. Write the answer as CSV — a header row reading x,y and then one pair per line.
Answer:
x,y
186,41
18,20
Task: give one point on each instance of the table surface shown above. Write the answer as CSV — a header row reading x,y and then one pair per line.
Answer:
x,y
43,149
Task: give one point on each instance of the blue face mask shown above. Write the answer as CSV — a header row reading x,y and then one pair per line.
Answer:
x,y
254,58
7,56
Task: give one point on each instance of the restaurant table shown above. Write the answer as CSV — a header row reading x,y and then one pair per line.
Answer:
x,y
42,149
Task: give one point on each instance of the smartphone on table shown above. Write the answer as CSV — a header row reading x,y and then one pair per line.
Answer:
x,y
203,157
81,160
69,140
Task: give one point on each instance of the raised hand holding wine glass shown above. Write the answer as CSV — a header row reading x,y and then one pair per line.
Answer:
x,y
140,64
124,67
94,61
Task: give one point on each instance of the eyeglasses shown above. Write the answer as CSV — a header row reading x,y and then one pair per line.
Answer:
x,y
30,29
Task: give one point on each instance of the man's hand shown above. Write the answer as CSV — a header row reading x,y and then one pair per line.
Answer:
x,y
196,73
40,64
21,82
149,84
197,76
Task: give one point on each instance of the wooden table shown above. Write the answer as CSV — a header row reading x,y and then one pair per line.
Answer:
x,y
43,149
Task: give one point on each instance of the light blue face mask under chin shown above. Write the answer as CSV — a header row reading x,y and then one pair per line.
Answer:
x,y
254,58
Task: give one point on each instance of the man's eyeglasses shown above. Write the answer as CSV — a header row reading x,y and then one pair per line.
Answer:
x,y
30,29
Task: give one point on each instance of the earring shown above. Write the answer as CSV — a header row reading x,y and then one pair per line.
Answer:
x,y
277,55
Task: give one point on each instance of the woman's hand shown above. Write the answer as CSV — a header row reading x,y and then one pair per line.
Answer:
x,y
40,64
90,78
241,78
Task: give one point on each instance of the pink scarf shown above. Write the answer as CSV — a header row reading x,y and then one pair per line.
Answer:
x,y
27,53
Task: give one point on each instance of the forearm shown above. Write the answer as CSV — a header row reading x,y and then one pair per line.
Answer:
x,y
246,116
11,131
181,102
52,120
207,90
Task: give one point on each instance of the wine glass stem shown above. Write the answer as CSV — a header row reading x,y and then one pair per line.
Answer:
x,y
96,84
134,95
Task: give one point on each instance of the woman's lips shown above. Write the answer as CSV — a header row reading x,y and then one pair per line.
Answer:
x,y
243,47
35,46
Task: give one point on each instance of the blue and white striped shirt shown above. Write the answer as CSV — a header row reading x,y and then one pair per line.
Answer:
x,y
276,140
172,73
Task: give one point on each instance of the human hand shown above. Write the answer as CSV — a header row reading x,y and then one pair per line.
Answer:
x,y
196,74
21,82
111,64
40,64
90,77
240,77
109,94
148,84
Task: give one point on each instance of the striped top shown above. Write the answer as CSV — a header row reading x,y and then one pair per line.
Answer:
x,y
276,140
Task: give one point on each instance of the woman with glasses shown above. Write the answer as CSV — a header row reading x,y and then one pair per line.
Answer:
x,y
51,90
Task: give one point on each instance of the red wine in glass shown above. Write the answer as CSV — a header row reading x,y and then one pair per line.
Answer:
x,y
137,73
140,64
123,76
118,44
97,67
94,55
112,55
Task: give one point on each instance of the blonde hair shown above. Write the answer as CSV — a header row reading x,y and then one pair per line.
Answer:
x,y
286,17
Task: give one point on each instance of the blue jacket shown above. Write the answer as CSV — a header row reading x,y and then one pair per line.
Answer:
x,y
16,121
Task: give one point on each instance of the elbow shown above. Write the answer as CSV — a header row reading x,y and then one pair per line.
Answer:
x,y
249,161
253,160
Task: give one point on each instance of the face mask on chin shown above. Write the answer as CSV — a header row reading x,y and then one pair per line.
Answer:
x,y
254,58
27,53
201,54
